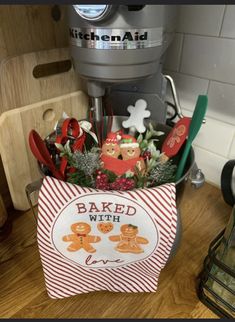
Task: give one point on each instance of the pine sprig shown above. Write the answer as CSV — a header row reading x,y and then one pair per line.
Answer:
x,y
81,179
86,163
162,173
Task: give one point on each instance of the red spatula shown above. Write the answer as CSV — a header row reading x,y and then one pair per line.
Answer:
x,y
39,150
176,137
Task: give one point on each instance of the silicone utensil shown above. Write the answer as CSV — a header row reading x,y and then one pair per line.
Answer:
x,y
70,128
41,153
176,137
195,125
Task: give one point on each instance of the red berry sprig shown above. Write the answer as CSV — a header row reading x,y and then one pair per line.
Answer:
x,y
146,155
102,181
122,184
119,184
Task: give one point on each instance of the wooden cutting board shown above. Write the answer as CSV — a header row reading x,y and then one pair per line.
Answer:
x,y
19,164
19,85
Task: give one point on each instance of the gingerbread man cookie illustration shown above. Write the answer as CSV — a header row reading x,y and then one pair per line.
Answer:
x,y
81,238
110,146
130,150
110,153
128,240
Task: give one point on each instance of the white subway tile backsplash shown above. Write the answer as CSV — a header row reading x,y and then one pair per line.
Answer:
x,y
173,54
211,164
188,88
202,61
222,102
215,137
232,150
209,57
200,19
228,27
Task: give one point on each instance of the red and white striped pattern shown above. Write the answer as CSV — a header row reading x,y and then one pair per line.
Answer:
x,y
64,278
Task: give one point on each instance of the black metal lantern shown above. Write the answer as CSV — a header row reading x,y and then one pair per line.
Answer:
x,y
217,279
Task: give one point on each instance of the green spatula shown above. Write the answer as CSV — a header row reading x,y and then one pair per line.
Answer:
x,y
196,122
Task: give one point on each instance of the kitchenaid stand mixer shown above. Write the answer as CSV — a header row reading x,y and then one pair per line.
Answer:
x,y
119,50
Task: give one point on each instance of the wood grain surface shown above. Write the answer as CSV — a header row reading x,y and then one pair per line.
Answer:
x,y
23,294
28,28
19,164
3,212
25,29
19,87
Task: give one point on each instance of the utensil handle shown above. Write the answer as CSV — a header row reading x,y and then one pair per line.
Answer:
x,y
30,189
174,95
183,160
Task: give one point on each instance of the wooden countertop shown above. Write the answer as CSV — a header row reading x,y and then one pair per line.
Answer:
x,y
23,294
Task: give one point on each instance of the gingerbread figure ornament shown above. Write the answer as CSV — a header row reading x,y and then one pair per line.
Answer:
x,y
80,239
138,113
128,240
130,152
111,147
110,153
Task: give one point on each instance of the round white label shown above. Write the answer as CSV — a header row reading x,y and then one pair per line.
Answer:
x,y
104,230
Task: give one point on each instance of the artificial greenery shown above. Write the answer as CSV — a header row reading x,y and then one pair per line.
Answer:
x,y
140,178
111,175
146,141
157,172
84,165
162,173
81,179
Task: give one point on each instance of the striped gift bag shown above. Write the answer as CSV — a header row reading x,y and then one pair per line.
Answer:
x,y
93,240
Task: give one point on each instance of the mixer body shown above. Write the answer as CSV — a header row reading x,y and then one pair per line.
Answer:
x,y
121,55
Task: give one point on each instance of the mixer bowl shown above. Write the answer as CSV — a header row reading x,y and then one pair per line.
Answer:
x,y
190,164
180,184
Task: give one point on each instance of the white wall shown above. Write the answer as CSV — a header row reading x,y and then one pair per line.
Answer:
x,y
201,60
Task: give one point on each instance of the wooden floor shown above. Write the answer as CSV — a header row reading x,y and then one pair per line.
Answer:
x,y
23,294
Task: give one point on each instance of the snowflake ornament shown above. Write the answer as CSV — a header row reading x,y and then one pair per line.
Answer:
x,y
137,115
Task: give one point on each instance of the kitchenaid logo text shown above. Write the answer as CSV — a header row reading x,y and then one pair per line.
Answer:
x,y
104,38
74,33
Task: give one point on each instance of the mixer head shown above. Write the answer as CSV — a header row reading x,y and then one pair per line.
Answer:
x,y
116,44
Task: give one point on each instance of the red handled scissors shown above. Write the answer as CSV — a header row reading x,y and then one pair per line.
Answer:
x,y
70,130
